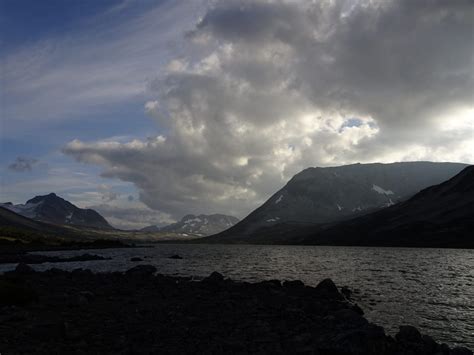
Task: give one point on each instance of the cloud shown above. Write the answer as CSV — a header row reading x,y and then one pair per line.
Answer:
x,y
106,61
107,194
22,164
136,216
272,87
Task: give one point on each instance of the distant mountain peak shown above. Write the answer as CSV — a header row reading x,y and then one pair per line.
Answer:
x,y
53,209
200,225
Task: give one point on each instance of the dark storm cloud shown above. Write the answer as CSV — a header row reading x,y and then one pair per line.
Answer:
x,y
22,164
275,86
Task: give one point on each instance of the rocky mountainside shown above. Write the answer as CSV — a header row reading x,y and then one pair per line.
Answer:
x,y
202,225
323,195
438,216
53,209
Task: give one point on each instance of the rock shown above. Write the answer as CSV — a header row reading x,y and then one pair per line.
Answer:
x,y
88,295
271,283
141,270
214,278
294,284
328,289
176,256
12,293
460,351
408,334
213,316
135,258
444,349
346,292
357,341
82,272
429,344
78,300
349,315
357,309
70,332
23,268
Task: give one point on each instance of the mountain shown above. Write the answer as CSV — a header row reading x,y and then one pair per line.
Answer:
x,y
202,225
323,195
19,233
10,219
53,209
438,216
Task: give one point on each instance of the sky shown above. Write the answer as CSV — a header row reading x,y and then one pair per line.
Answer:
x,y
150,110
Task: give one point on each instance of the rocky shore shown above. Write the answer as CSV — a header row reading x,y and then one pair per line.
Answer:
x,y
141,312
39,259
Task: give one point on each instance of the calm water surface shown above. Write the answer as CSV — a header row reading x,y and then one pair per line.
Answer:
x,y
432,289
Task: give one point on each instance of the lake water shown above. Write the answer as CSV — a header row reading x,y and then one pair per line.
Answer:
x,y
432,289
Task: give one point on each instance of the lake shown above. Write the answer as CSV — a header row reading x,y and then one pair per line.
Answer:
x,y
432,289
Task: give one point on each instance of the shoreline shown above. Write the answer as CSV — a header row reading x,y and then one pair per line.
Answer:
x,y
11,253
139,311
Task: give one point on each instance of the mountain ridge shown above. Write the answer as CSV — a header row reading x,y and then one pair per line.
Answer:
x,y
330,194
51,208
441,215
199,225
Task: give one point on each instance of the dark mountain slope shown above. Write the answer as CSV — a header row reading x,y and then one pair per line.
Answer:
x,y
14,227
14,220
322,195
19,234
53,209
438,216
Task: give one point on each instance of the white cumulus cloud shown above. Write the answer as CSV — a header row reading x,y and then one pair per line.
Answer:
x,y
273,87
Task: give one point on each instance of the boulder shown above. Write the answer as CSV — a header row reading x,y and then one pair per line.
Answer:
x,y
294,284
23,268
350,316
214,278
429,344
136,258
141,270
329,289
176,256
271,283
346,292
460,351
408,334
88,295
357,309
12,293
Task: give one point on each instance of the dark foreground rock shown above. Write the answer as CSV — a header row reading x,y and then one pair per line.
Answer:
x,y
139,312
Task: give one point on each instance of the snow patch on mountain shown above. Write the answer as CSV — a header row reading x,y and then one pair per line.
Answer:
x,y
202,225
381,190
193,221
